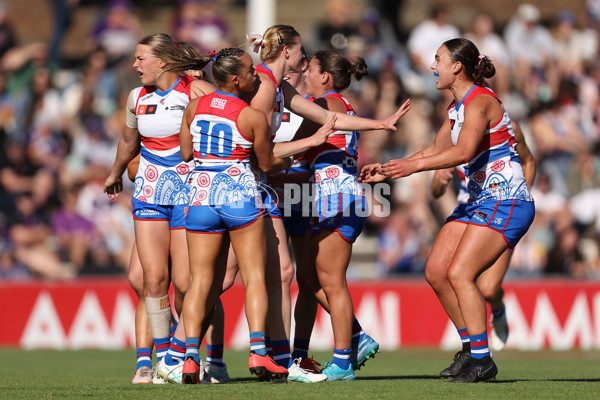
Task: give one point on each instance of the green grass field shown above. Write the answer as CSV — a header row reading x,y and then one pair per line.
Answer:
x,y
406,374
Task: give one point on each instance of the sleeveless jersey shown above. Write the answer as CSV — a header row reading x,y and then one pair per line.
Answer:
x,y
495,170
162,173
334,163
290,123
279,104
222,172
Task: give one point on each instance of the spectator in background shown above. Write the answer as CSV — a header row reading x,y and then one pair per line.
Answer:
x,y
10,267
73,231
40,121
118,31
96,76
334,32
30,235
12,56
533,53
400,248
423,42
198,22
574,48
557,139
492,45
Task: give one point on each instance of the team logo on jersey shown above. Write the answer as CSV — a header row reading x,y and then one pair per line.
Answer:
x,y
285,117
146,109
332,172
498,166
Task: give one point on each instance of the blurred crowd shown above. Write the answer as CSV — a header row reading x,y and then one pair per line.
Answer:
x,y
59,127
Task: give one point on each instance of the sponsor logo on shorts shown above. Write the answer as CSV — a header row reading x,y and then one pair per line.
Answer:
x,y
147,213
234,171
481,215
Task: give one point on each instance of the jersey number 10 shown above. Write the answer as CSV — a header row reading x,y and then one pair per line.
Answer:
x,y
215,140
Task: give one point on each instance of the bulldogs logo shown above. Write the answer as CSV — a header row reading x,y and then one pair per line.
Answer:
x,y
332,172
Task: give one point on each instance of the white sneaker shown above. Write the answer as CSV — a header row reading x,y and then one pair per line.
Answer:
x,y
157,380
500,331
215,374
170,373
299,374
142,376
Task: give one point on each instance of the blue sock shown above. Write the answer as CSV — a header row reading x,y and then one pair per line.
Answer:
x,y
257,343
176,352
300,348
499,312
464,338
191,349
144,358
172,329
357,334
479,346
281,353
214,354
341,358
161,346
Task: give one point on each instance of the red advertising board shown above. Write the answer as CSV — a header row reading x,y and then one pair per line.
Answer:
x,y
98,313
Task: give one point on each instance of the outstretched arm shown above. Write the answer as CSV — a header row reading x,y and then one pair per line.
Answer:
x,y
299,146
307,109
255,123
440,157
